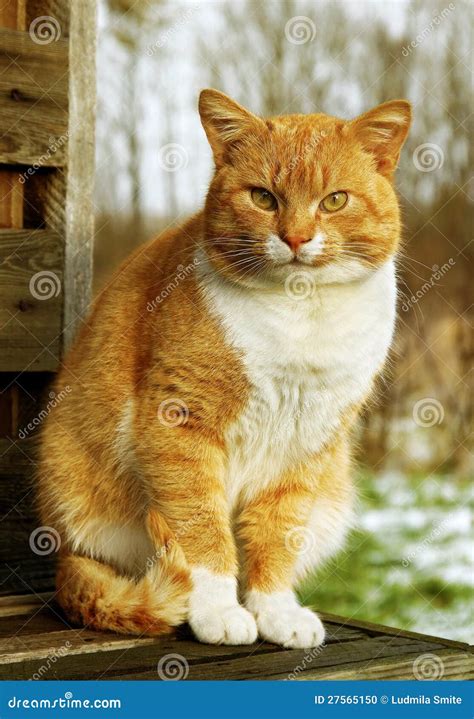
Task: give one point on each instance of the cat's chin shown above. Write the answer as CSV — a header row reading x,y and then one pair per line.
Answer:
x,y
322,273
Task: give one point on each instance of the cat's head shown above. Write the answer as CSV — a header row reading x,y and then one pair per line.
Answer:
x,y
301,192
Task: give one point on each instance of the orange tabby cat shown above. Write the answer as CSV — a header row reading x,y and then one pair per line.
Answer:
x,y
199,466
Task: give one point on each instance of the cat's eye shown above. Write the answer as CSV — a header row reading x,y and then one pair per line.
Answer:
x,y
333,202
263,199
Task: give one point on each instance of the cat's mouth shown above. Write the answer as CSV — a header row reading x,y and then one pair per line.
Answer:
x,y
305,262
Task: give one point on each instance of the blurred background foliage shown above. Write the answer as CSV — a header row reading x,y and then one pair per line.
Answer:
x,y
409,562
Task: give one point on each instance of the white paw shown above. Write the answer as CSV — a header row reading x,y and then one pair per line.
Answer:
x,y
281,620
223,625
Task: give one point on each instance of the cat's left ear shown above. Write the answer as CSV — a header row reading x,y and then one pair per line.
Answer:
x,y
225,122
382,131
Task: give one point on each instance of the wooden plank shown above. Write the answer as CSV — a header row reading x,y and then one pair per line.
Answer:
x,y
80,162
248,665
377,629
30,299
454,665
286,662
33,100
20,604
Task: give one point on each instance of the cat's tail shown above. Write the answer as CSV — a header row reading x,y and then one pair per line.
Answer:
x,y
94,595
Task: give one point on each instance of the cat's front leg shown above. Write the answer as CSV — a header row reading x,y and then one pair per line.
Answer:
x,y
267,528
183,473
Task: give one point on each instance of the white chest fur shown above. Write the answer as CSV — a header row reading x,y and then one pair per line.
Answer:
x,y
306,360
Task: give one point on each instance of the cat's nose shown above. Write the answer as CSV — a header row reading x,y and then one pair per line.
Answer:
x,y
294,242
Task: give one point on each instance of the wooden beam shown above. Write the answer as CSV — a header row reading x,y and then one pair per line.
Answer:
x,y
80,167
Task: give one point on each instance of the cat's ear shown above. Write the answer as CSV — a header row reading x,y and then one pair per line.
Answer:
x,y
224,121
382,131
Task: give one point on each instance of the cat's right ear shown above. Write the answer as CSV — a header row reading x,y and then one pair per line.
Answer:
x,y
224,122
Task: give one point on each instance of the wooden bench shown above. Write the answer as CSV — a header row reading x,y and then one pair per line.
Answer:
x,y
37,643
